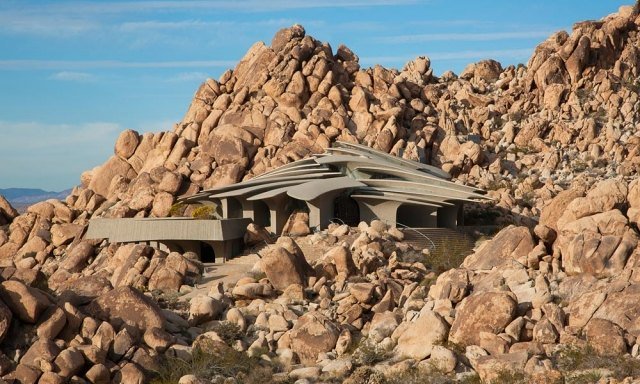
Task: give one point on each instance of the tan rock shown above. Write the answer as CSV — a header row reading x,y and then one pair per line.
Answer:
x,y
511,243
102,177
69,362
130,373
25,302
421,335
284,268
126,305
484,311
605,337
312,334
78,256
5,320
490,368
53,321
98,374
158,339
64,233
127,143
204,308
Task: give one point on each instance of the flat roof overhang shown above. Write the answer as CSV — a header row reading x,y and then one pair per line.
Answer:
x,y
172,228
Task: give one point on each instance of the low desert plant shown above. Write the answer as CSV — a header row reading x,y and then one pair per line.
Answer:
x,y
203,212
227,331
210,360
449,254
585,361
369,353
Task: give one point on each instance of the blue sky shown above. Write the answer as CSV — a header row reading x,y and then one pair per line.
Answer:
x,y
74,74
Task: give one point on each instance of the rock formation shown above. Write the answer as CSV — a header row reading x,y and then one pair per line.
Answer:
x,y
554,142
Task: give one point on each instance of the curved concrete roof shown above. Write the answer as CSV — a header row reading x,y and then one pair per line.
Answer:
x,y
411,175
388,177
269,194
393,198
436,190
275,182
429,197
317,188
393,159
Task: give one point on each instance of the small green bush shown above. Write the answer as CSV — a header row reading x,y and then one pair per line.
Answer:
x,y
177,209
203,212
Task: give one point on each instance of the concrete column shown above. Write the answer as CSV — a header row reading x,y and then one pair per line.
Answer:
x,y
320,212
277,212
248,211
231,208
384,210
223,249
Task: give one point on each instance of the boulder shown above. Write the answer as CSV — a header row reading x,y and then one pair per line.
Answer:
x,y
5,320
125,305
204,308
556,207
126,144
78,256
599,244
482,312
511,243
421,335
492,368
102,177
64,233
6,210
27,303
605,337
284,268
312,334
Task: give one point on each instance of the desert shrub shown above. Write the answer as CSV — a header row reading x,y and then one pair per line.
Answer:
x,y
211,360
369,353
227,331
449,254
587,360
203,212
177,209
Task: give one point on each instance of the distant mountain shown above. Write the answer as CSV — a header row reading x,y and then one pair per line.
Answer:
x,y
23,197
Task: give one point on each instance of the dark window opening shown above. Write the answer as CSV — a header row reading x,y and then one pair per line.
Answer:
x,y
346,210
262,215
207,255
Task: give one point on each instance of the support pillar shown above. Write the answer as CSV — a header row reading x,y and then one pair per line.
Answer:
x,y
384,210
277,212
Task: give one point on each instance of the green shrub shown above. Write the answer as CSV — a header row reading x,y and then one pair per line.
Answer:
x,y
203,212
177,209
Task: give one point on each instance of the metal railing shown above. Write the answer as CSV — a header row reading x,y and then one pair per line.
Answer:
x,y
433,245
431,248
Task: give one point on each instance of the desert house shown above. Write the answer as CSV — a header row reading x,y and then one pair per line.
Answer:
x,y
348,183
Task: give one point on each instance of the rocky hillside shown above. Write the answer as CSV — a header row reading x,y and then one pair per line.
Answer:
x,y
524,133
553,141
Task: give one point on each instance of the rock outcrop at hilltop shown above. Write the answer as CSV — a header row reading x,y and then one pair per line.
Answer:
x,y
524,133
553,141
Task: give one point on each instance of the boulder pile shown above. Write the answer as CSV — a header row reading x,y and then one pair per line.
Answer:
x,y
553,142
